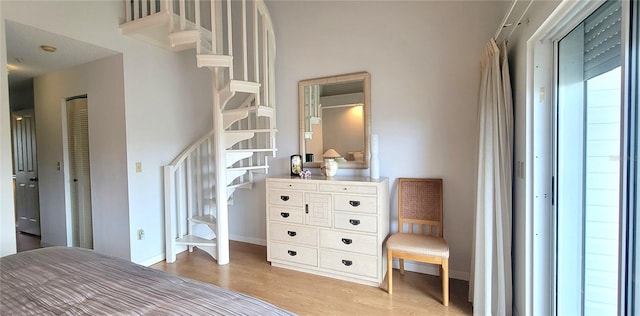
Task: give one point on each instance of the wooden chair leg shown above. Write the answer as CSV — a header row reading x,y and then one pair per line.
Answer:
x,y
389,271
445,282
401,266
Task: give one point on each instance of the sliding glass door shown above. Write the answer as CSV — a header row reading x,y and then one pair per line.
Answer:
x,y
587,165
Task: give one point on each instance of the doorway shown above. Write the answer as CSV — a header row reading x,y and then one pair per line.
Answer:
x,y
587,165
78,171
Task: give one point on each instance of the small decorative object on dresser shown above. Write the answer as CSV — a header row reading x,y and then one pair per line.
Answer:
x,y
296,165
330,164
331,227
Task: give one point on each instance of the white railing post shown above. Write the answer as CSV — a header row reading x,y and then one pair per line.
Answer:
x,y
245,65
199,181
256,58
136,9
222,219
183,15
265,63
197,13
211,171
169,211
127,9
189,195
145,8
229,30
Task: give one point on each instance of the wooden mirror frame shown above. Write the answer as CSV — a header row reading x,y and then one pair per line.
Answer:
x,y
365,77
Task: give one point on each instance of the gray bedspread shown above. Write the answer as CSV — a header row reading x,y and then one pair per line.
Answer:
x,y
73,281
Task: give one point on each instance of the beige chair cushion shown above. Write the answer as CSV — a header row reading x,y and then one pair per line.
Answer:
x,y
418,244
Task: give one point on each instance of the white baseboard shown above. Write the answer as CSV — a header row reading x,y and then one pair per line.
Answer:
x,y
153,260
249,240
430,269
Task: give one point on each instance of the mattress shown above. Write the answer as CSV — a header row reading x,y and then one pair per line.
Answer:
x,y
75,281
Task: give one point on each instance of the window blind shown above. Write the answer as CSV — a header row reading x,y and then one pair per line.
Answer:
x,y
602,36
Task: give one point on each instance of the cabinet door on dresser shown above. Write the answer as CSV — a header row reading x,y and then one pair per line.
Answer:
x,y
317,209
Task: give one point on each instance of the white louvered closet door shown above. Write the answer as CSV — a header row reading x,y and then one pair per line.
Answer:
x,y
79,171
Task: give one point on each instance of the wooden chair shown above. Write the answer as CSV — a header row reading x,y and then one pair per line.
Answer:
x,y
419,206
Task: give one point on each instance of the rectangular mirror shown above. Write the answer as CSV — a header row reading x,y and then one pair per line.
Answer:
x,y
335,114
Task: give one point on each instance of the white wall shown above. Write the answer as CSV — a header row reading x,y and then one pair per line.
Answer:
x,y
21,96
102,82
424,60
164,110
538,12
7,215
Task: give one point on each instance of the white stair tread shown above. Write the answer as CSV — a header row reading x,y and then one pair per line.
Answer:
x,y
261,130
190,240
205,60
252,150
248,168
240,185
253,108
245,86
203,219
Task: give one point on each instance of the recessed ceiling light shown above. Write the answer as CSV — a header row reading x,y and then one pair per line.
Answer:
x,y
48,48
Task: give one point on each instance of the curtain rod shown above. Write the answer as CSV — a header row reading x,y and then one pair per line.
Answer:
x,y
504,20
519,20
504,23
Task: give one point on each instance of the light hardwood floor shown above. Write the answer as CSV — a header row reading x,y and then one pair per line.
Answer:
x,y
306,294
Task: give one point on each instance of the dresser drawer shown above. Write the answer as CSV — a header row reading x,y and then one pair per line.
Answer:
x,y
297,185
355,203
285,214
351,242
286,198
356,222
360,189
349,263
293,234
293,253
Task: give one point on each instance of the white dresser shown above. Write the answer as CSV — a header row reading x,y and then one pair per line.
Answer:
x,y
332,227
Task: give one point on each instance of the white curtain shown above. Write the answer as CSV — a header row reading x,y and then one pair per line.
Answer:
x,y
490,283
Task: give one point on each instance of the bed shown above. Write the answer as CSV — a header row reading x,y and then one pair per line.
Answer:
x,y
75,281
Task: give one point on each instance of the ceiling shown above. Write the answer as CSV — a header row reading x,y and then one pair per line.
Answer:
x,y
26,60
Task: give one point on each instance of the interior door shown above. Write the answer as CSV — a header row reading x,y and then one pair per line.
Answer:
x,y
25,168
79,171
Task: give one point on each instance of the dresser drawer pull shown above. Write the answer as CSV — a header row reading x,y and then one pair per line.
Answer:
x,y
284,214
347,262
354,203
284,197
292,253
354,222
347,241
290,233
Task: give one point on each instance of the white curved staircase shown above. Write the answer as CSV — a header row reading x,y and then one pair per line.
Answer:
x,y
243,137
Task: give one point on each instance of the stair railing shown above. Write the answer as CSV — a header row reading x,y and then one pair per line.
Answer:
x,y
189,190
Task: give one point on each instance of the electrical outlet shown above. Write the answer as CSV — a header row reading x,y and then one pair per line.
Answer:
x,y
138,167
140,234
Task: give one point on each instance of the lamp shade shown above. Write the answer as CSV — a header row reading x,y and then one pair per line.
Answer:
x,y
331,153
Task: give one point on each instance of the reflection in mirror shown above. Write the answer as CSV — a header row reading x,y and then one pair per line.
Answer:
x,y
334,117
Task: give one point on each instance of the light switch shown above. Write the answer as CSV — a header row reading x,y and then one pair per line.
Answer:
x,y
138,166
